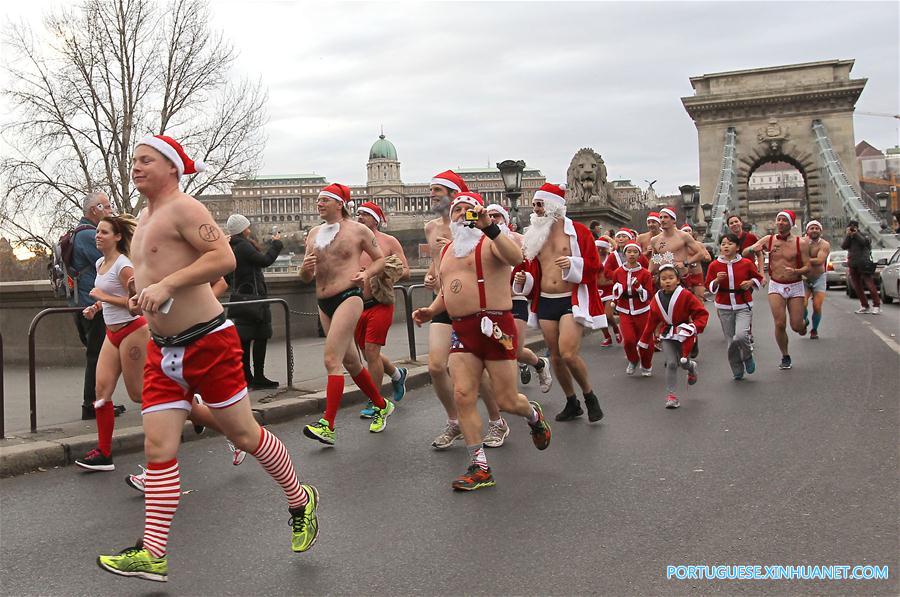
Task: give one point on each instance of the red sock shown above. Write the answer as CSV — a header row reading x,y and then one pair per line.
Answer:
x,y
106,421
162,490
273,457
334,391
606,334
364,382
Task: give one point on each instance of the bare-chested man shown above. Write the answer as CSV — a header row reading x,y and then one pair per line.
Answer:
x,y
377,317
747,239
788,263
178,251
819,249
653,229
474,273
444,188
333,252
564,263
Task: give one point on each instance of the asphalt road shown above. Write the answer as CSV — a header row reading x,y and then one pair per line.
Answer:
x,y
787,467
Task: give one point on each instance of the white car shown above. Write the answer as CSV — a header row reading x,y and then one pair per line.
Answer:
x,y
890,279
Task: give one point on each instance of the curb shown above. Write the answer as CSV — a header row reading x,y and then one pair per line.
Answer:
x,y
31,456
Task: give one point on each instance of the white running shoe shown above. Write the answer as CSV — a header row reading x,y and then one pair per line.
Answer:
x,y
648,372
237,456
544,377
863,311
629,370
876,311
496,434
137,481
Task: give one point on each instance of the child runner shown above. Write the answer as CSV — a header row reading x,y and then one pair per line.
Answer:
x,y
604,287
732,279
632,289
682,317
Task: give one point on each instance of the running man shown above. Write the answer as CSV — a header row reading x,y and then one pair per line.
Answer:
x,y
178,251
653,229
788,263
333,253
377,317
564,264
819,249
474,271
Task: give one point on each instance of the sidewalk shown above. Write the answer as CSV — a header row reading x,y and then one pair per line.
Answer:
x,y
62,436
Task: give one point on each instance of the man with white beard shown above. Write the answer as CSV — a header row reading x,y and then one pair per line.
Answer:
x,y
564,263
474,271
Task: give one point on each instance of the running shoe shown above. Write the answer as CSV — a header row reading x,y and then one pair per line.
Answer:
x,y
304,523
863,311
595,413
450,434
814,335
368,412
648,372
876,311
320,431
136,561
672,401
750,365
629,370
474,478
96,461
571,411
738,376
618,337
692,373
606,343
137,481
540,431
544,377
379,421
785,362
524,374
237,455
400,385
496,435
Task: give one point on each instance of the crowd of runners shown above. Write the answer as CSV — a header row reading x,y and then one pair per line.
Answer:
x,y
181,358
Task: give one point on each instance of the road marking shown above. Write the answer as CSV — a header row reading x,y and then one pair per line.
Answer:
x,y
892,344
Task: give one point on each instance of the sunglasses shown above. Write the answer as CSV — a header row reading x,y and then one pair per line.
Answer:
x,y
537,204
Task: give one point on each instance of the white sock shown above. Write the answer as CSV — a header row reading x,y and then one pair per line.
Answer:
x,y
395,376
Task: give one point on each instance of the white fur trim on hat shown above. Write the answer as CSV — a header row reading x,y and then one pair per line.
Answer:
x,y
786,215
548,197
371,212
624,233
601,244
498,208
669,212
331,195
444,182
632,244
167,150
813,223
653,218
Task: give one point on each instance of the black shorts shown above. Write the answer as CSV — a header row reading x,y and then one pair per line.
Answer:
x,y
441,317
330,304
520,310
553,308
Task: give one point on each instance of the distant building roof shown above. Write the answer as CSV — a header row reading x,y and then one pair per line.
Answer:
x,y
865,150
489,170
264,178
383,150
775,167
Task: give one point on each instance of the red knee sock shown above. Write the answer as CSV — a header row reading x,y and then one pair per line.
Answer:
x,y
106,421
334,391
273,457
162,490
364,382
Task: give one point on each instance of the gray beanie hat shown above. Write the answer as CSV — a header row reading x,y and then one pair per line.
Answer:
x,y
236,224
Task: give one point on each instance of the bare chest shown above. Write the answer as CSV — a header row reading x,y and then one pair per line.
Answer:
x,y
341,253
673,244
783,251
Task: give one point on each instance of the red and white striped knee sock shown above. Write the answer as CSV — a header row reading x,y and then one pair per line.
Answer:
x,y
273,457
162,491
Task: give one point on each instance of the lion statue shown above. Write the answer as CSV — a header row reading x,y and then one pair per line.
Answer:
x,y
586,179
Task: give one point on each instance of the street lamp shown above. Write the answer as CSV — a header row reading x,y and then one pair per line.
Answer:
x,y
883,201
689,201
511,173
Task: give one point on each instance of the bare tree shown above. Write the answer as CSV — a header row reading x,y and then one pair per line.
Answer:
x,y
97,79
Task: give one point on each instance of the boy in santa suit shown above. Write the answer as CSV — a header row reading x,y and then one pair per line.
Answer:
x,y
632,291
564,264
733,279
681,317
604,287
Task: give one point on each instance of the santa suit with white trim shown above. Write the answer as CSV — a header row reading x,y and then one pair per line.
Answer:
x,y
632,291
734,305
685,318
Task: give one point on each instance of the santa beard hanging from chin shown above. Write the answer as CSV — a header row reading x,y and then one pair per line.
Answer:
x,y
464,238
537,234
326,234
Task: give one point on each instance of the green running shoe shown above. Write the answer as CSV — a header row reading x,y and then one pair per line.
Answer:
x,y
136,561
320,431
379,421
304,524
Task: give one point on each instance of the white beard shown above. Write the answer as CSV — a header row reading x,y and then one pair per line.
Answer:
x,y
504,229
464,238
326,234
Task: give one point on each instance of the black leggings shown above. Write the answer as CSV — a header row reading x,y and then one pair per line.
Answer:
x,y
259,358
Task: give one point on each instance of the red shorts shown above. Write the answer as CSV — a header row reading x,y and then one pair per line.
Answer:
x,y
373,325
691,280
116,337
210,366
467,336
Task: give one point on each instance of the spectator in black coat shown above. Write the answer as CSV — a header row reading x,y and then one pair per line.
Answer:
x,y
254,323
861,268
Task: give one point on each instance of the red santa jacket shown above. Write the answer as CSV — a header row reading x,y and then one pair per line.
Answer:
x,y
685,317
632,289
582,274
730,295
615,260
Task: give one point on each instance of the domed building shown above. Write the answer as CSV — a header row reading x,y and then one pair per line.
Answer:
x,y
383,183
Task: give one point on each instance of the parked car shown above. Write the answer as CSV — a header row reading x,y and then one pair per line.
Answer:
x,y
890,279
836,269
881,258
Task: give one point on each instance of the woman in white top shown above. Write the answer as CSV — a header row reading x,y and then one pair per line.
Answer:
x,y
125,346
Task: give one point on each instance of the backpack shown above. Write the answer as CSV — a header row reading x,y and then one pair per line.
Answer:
x,y
63,278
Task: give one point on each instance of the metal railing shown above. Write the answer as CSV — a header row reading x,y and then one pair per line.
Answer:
x,y
410,326
32,328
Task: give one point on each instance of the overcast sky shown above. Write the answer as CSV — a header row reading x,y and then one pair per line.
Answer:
x,y
469,84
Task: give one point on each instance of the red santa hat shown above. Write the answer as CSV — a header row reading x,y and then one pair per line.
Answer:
x,y
687,228
669,211
632,244
373,210
451,180
174,152
791,216
602,243
336,191
653,216
625,232
813,223
467,197
554,194
496,207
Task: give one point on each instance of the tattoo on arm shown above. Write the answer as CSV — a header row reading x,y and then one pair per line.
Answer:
x,y
209,233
